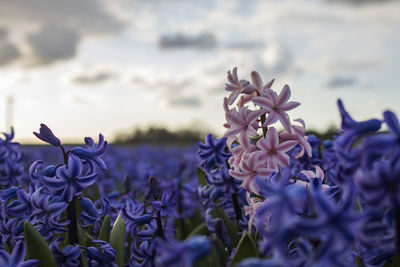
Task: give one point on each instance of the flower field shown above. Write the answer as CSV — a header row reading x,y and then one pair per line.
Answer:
x,y
263,194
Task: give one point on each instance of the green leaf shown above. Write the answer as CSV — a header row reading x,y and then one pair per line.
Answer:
x,y
201,176
37,247
105,229
199,230
396,260
117,239
246,249
214,259
83,259
359,262
231,226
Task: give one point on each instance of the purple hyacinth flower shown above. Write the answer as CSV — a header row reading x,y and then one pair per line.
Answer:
x,y
337,224
93,152
47,209
380,186
388,141
212,152
90,214
173,253
105,256
16,259
46,135
353,129
66,257
167,205
68,180
143,253
255,262
7,194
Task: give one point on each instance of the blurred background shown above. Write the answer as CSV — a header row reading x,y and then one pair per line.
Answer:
x,y
88,66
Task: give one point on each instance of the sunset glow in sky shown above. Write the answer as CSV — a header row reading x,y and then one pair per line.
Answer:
x,y
90,66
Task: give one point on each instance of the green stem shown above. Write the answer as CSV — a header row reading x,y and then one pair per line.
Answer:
x,y
397,225
160,231
236,206
73,225
65,155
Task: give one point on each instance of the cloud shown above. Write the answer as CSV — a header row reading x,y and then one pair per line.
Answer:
x,y
341,81
52,43
3,34
361,2
189,101
52,30
204,40
84,16
94,78
239,45
8,51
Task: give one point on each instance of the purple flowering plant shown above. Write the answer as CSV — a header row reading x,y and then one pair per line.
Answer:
x,y
263,194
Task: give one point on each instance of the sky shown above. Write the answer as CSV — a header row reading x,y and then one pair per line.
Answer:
x,y
85,67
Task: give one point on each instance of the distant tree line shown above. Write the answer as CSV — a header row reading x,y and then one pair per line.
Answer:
x,y
162,136
327,135
159,135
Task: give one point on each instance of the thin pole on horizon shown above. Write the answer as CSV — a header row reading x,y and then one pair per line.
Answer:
x,y
9,112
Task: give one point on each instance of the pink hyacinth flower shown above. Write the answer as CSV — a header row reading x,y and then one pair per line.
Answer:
x,y
258,84
319,173
243,122
273,152
251,209
251,167
298,135
236,86
276,107
239,154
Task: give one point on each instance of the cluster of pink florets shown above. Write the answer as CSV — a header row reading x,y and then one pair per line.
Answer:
x,y
252,111
257,109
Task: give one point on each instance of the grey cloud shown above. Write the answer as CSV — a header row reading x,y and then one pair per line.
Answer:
x,y
245,45
361,2
3,33
53,43
85,16
184,101
341,81
94,78
61,25
354,64
8,53
157,83
179,40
